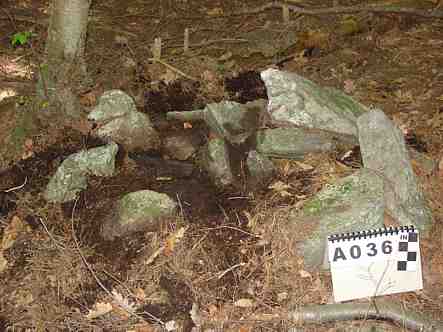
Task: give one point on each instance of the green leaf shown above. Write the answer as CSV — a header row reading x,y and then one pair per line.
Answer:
x,y
20,38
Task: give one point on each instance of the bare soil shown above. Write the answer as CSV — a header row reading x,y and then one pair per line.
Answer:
x,y
59,270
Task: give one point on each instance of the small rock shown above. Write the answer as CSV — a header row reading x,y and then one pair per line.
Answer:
x,y
138,211
71,175
181,146
118,119
134,132
215,160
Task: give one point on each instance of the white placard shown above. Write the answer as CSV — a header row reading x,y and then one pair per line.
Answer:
x,y
375,262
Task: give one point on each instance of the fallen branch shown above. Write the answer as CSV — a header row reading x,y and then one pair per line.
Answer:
x,y
357,311
330,313
188,116
348,10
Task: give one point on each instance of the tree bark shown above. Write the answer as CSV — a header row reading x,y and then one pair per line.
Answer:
x,y
64,70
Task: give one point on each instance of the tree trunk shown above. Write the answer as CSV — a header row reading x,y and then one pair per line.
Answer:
x,y
64,72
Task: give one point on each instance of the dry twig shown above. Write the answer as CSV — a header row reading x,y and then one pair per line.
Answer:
x,y
178,71
17,187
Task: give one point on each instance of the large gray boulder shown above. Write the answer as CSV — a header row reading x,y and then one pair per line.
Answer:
x,y
297,100
354,203
383,150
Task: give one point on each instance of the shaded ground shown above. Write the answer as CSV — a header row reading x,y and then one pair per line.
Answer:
x,y
390,61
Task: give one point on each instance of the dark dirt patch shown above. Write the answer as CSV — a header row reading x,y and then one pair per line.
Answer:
x,y
391,62
246,86
177,96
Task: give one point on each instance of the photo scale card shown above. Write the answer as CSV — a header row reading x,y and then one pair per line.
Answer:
x,y
375,262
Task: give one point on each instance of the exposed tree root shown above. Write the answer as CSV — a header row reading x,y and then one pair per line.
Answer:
x,y
379,310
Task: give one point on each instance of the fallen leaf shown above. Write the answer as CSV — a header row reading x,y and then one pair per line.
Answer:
x,y
27,155
283,296
305,274
3,262
195,315
100,309
212,308
252,221
89,99
28,149
212,135
440,168
12,231
169,77
154,255
171,325
209,76
280,187
173,240
304,166
29,144
140,294
217,11
244,303
287,169
349,86
122,305
144,327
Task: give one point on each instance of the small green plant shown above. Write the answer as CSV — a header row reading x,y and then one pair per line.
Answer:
x,y
20,38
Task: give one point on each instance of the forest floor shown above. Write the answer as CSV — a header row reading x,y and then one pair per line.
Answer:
x,y
58,269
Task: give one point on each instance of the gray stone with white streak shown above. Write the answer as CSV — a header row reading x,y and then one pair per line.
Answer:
x,y
118,120
297,100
